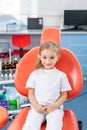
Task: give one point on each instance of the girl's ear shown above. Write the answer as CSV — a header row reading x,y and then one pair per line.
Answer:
x,y
58,57
38,56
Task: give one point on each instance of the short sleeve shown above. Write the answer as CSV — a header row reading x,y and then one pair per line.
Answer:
x,y
30,82
65,85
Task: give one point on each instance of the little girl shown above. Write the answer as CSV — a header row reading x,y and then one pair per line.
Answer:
x,y
48,88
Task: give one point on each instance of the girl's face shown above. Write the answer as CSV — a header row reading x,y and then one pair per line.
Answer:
x,y
48,58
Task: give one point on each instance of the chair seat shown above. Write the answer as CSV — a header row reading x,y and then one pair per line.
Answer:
x,y
69,117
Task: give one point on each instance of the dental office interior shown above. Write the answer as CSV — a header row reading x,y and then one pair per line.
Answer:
x,y
29,18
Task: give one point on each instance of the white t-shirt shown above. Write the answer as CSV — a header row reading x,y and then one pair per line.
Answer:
x,y
48,84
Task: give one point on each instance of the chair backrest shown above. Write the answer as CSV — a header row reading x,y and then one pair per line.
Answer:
x,y
21,41
50,34
67,63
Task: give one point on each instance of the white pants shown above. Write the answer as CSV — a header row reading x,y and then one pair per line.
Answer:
x,y
35,119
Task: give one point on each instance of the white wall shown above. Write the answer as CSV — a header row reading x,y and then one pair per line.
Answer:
x,y
51,10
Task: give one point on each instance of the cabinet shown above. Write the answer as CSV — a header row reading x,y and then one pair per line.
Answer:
x,y
77,43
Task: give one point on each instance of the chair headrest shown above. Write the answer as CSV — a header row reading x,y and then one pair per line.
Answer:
x,y
50,34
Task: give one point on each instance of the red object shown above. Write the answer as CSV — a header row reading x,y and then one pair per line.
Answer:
x,y
17,52
67,63
20,41
3,117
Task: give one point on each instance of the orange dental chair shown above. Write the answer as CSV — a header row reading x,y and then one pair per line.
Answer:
x,y
67,63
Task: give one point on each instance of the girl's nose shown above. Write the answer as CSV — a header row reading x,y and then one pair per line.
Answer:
x,y
47,60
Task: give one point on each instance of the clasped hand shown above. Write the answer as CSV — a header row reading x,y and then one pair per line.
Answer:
x,y
47,108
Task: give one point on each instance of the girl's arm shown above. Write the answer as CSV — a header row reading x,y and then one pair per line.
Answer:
x,y
58,103
61,100
33,101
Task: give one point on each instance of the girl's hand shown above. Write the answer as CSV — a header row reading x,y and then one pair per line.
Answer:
x,y
49,108
40,108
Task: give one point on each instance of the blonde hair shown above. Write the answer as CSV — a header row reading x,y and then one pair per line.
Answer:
x,y
46,45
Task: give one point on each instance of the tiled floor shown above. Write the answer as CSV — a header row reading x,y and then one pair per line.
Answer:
x,y
78,105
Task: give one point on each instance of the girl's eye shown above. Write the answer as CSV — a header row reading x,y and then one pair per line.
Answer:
x,y
51,57
44,57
